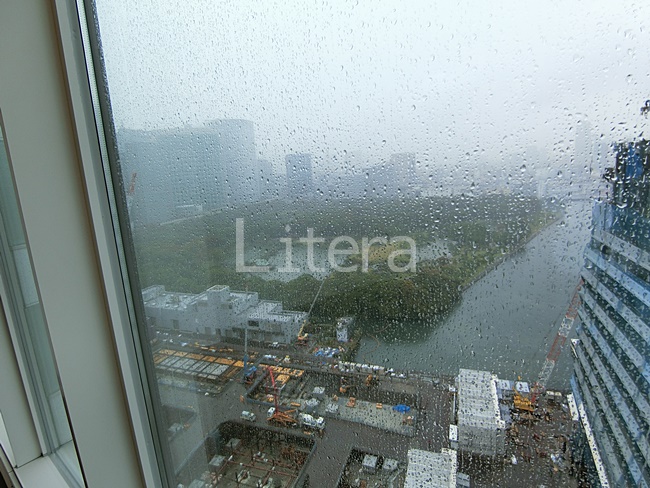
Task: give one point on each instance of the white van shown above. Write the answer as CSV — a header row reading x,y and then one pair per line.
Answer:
x,y
250,416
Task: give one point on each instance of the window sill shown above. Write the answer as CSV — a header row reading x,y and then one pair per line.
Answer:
x,y
41,472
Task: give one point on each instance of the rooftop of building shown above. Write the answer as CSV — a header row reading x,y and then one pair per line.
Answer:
x,y
242,295
433,469
478,401
272,311
156,296
344,321
265,310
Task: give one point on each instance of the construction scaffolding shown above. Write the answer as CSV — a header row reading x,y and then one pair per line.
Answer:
x,y
481,430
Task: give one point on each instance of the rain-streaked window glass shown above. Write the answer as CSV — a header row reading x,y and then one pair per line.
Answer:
x,y
388,243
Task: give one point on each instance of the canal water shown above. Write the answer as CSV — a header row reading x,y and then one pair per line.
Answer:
x,y
506,321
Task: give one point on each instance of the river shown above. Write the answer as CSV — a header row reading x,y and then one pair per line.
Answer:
x,y
506,321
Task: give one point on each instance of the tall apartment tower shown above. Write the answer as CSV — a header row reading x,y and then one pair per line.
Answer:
x,y
611,381
300,181
176,172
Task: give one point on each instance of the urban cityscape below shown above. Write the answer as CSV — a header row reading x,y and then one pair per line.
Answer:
x,y
254,393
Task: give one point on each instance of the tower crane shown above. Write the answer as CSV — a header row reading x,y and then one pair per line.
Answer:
x,y
302,337
558,344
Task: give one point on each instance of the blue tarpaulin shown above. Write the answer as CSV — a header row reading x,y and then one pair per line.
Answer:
x,y
402,408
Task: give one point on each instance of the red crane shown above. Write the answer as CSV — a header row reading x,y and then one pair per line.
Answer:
x,y
279,417
558,344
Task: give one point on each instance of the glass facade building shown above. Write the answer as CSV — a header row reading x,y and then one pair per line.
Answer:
x,y
612,373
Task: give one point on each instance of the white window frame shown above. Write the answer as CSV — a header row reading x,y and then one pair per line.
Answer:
x,y
48,115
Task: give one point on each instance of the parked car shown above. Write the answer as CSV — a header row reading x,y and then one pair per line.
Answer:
x,y
250,416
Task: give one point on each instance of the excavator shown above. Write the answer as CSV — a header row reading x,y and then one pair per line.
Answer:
x,y
522,402
303,337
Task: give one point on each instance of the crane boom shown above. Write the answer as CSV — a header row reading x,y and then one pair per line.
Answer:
x,y
558,344
301,334
275,390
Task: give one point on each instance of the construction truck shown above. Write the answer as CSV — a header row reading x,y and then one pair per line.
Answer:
x,y
248,416
310,422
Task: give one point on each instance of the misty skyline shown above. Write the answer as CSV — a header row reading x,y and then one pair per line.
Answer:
x,y
474,84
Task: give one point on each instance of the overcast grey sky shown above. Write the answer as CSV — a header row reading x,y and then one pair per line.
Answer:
x,y
443,79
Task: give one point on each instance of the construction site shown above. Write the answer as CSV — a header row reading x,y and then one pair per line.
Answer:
x,y
369,397
339,427
210,367
242,455
273,421
374,469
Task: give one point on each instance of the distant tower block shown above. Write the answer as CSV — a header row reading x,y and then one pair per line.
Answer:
x,y
300,182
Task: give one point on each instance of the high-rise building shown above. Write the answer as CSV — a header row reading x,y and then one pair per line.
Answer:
x,y
300,182
611,382
584,161
182,171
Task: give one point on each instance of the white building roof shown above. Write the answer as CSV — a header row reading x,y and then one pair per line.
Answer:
x,y
431,469
157,297
264,309
237,295
272,311
370,461
478,402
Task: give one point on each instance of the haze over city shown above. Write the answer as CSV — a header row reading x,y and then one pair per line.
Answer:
x,y
354,83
